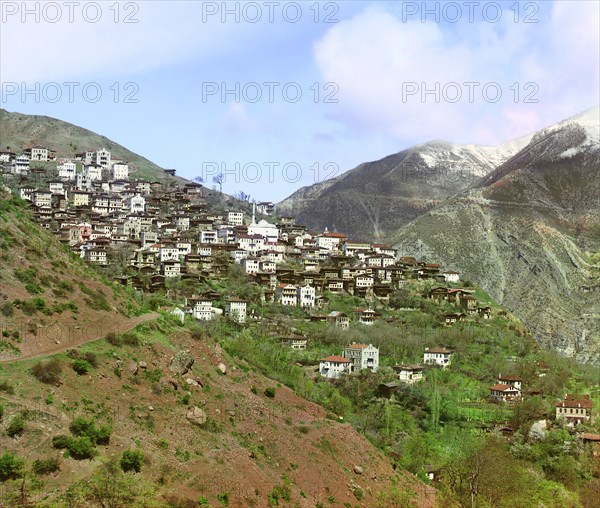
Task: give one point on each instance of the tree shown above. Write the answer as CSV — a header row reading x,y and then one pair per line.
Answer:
x,y
198,179
131,460
11,466
242,196
112,488
219,179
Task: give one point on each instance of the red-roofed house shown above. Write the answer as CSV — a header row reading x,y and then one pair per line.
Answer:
x,y
332,367
504,393
574,409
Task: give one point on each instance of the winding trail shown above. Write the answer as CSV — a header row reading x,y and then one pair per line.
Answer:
x,y
56,339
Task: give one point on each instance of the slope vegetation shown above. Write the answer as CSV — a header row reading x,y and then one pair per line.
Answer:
x,y
19,131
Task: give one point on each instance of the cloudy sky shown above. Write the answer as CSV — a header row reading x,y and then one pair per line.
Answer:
x,y
280,94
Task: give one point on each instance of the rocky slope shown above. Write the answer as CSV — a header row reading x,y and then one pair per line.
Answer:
x,y
238,444
49,298
376,198
528,232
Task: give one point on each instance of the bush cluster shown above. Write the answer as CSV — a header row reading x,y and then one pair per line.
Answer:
x,y
86,435
47,372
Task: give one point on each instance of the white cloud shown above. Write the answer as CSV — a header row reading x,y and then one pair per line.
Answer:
x,y
374,55
166,32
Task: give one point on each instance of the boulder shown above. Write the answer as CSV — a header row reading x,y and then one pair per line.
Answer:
x,y
222,367
191,382
133,368
143,365
358,470
196,416
181,362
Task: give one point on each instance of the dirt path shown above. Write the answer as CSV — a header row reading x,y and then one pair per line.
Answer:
x,y
55,338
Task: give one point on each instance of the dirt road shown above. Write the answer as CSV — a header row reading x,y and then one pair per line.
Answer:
x,y
56,338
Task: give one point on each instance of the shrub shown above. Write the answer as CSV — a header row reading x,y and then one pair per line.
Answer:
x,y
11,466
45,466
91,358
16,427
81,367
81,426
223,498
47,372
6,387
113,338
132,460
81,448
153,375
270,392
61,441
130,339
1,412
7,309
103,434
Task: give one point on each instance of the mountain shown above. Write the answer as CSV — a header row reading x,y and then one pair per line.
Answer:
x,y
19,131
529,233
377,198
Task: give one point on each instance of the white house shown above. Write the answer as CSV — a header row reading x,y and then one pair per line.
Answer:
x,y
120,171
409,374
235,309
83,182
451,276
67,170
286,294
171,268
136,204
202,309
102,158
93,172
20,165
235,218
574,410
438,356
363,356
38,153
251,265
330,241
306,296
208,236
332,367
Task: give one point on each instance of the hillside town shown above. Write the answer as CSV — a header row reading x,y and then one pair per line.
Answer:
x,y
157,234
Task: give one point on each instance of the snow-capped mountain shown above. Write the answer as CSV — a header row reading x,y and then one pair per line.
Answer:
x,y
377,198
528,232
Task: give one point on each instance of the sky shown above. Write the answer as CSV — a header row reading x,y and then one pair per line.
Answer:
x,y
277,95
